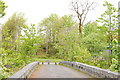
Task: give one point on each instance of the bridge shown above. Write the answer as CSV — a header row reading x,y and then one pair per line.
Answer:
x,y
62,69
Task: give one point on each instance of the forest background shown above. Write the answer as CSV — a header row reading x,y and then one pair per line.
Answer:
x,y
59,38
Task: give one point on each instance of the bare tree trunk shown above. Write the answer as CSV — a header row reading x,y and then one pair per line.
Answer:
x,y
81,9
80,28
47,48
111,39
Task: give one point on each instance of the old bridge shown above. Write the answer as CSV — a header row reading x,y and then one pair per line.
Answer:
x,y
62,69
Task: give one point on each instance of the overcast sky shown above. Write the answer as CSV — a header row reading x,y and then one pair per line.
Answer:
x,y
36,10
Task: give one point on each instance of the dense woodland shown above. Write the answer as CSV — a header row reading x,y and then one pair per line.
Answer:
x,y
60,38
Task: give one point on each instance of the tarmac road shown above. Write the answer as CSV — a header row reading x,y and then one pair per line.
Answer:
x,y
57,71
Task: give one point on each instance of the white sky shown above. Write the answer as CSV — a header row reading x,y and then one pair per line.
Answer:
x,y
36,10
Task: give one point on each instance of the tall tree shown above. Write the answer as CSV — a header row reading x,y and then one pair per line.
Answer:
x,y
29,42
2,13
54,27
50,24
11,29
82,8
2,8
109,21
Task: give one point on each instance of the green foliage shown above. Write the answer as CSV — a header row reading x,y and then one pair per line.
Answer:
x,y
2,8
30,41
115,56
109,21
67,21
3,72
69,47
28,44
114,66
83,55
54,28
63,39
57,38
11,30
94,42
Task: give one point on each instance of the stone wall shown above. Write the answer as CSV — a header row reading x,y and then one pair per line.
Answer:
x,y
26,71
91,70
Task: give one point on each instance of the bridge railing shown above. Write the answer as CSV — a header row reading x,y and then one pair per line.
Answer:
x,y
26,71
92,70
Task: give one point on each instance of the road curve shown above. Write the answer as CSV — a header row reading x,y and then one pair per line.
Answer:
x,y
57,71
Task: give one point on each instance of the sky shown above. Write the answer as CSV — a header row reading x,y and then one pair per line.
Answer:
x,y
37,10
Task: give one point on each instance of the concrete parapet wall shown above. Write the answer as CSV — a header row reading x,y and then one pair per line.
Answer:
x,y
26,71
91,70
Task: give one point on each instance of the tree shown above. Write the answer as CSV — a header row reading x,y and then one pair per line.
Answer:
x,y
92,39
12,29
10,33
82,8
51,28
29,41
109,21
55,27
2,8
2,13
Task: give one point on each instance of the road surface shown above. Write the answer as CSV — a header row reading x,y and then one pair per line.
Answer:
x,y
57,71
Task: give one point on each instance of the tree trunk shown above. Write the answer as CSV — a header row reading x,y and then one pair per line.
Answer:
x,y
47,48
80,28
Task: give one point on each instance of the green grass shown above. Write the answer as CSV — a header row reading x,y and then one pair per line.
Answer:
x,y
51,60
